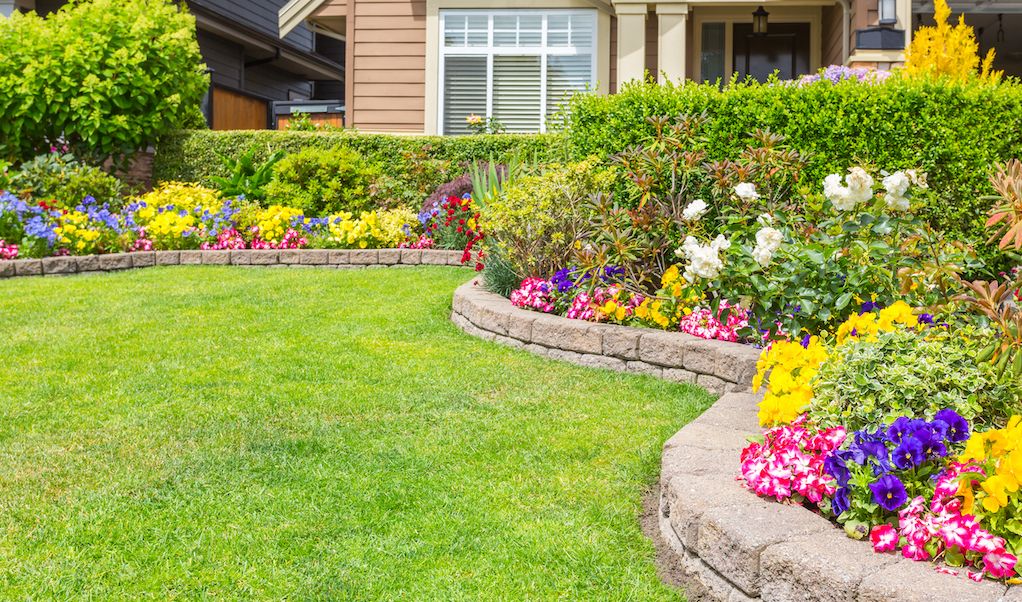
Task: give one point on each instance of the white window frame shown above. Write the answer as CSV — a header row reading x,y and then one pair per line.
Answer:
x,y
489,51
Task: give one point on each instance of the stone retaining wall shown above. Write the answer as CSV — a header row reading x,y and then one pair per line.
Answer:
x,y
325,258
717,366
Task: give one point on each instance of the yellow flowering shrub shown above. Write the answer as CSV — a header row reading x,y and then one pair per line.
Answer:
x,y
948,50
672,301
791,368
75,234
371,229
274,221
171,230
999,453
180,195
867,325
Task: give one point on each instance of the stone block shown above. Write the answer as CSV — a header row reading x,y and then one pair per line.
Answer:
x,y
489,315
241,257
708,436
339,257
570,335
115,261
731,540
6,269
825,566
911,581
434,257
678,375
315,257
620,341
365,256
454,258
143,259
602,361
730,417
389,256
519,325
564,356
688,497
216,257
644,368
265,257
537,349
191,257
664,348
59,265
411,256
290,256
28,267
162,258
732,362
712,384
688,460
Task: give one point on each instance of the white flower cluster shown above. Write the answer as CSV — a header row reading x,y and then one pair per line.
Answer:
x,y
695,210
746,191
703,260
768,240
858,188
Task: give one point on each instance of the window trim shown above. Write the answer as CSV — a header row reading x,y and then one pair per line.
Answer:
x,y
489,51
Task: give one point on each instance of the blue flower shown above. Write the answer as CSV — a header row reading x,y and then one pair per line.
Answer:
x,y
839,503
932,442
909,453
901,428
957,427
889,492
925,319
836,467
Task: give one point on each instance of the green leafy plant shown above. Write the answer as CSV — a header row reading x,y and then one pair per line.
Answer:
x,y
104,77
248,178
62,178
320,182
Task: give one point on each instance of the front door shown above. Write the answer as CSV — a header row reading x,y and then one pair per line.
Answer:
x,y
784,48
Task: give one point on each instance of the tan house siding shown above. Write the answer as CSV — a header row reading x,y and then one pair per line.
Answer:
x,y
831,31
387,54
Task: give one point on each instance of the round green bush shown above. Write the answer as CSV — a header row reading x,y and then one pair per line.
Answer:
x,y
323,181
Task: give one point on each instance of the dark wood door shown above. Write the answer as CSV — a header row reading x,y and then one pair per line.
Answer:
x,y
785,49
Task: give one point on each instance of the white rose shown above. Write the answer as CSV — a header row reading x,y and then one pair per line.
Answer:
x,y
746,191
695,210
769,238
918,178
897,203
860,184
837,194
762,256
765,220
720,243
896,184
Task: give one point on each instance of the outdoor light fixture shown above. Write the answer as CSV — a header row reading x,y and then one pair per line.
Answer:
x,y
888,12
759,21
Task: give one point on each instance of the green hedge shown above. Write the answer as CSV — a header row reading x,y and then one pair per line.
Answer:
x,y
192,156
952,131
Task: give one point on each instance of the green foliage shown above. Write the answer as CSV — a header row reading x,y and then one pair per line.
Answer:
x,y
248,178
953,131
905,373
537,221
320,182
104,77
415,165
499,276
62,178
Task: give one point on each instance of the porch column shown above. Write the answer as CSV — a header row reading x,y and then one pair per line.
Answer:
x,y
672,51
631,42
6,8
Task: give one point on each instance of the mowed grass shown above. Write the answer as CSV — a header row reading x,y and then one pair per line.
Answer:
x,y
204,432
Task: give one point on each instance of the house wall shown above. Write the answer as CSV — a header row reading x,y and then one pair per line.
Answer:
x,y
261,15
227,60
832,49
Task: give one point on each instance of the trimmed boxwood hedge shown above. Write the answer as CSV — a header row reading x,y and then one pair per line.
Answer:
x,y
952,131
192,156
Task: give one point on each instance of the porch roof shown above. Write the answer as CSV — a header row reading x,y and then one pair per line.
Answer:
x,y
294,13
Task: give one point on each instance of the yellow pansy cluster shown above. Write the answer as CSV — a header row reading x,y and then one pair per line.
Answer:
x,y
869,324
273,222
999,452
180,195
791,368
169,227
371,228
671,303
74,233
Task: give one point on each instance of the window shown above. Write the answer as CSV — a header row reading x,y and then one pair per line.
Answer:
x,y
514,66
711,65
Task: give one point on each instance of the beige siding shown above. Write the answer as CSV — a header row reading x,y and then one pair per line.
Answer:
x,y
388,68
831,47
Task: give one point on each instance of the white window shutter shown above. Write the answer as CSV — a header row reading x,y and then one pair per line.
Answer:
x,y
517,82
464,91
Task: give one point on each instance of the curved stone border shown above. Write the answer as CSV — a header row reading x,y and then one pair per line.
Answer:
x,y
731,544
734,545
717,366
324,258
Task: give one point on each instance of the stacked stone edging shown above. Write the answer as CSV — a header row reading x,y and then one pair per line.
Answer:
x,y
717,366
325,258
734,545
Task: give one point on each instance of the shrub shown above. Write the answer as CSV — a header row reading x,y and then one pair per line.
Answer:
x,y
457,188
537,220
323,181
61,178
946,50
105,77
951,130
417,164
248,178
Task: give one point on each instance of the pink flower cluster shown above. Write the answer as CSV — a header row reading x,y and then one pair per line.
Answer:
x,y
790,460
924,532
227,239
292,240
702,323
534,293
8,251
424,242
581,308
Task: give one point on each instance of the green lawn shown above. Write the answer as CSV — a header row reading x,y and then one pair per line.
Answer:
x,y
215,432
